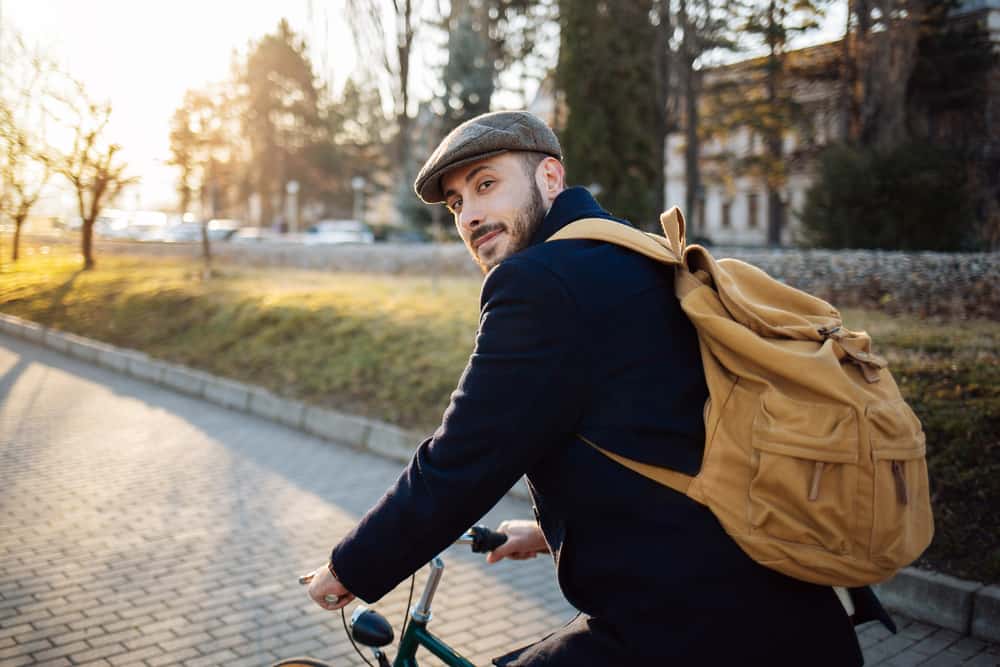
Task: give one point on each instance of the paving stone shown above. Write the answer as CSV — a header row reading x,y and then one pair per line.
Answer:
x,y
172,658
967,646
876,654
936,642
918,630
24,649
184,641
178,528
103,651
217,658
944,659
59,651
58,662
905,659
135,657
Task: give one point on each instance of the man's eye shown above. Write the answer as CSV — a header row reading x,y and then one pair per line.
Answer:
x,y
485,184
455,206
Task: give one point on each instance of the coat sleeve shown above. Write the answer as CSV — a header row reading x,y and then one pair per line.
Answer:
x,y
519,395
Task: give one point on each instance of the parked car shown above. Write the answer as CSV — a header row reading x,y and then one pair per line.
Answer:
x,y
408,235
222,229
111,227
338,231
190,232
185,232
254,235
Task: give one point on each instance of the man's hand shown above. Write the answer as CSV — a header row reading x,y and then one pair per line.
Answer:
x,y
323,584
524,540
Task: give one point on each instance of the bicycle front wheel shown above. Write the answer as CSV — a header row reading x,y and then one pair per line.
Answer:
x,y
301,662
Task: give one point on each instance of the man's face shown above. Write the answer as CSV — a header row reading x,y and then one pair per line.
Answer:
x,y
497,206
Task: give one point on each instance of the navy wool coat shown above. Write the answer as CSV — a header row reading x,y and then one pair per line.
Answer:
x,y
583,338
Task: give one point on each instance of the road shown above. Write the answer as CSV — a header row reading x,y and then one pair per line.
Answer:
x,y
142,527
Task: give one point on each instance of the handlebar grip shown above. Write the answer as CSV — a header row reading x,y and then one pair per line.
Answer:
x,y
484,539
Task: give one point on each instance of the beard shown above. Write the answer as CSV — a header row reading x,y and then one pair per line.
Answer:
x,y
526,222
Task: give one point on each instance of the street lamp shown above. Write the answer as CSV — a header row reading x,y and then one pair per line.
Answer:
x,y
358,185
291,206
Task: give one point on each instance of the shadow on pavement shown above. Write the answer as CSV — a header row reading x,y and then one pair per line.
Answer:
x,y
185,513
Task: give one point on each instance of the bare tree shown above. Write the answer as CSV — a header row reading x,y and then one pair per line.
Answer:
x,y
880,55
25,164
705,27
372,24
91,166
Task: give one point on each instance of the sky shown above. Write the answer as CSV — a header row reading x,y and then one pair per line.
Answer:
x,y
142,55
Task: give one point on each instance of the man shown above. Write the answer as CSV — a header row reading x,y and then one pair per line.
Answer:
x,y
579,340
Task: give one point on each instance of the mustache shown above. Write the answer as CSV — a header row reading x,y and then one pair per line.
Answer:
x,y
484,230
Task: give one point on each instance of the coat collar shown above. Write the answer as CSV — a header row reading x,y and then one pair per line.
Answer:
x,y
571,204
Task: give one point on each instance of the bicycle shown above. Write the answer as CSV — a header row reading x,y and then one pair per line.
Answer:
x,y
372,630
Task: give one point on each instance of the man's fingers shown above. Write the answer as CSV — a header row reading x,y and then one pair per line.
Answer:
x,y
496,556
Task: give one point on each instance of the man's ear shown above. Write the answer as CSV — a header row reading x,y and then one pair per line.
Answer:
x,y
551,178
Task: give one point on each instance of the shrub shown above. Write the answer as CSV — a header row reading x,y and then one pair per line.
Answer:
x,y
911,198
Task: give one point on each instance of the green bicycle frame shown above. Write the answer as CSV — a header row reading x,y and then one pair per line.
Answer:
x,y
417,635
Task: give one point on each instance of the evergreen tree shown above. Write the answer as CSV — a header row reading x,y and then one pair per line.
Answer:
x,y
281,117
605,73
894,200
469,75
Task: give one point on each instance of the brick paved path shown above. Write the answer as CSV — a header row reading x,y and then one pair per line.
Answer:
x,y
141,527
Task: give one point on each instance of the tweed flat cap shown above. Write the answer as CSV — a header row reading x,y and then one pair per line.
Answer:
x,y
480,137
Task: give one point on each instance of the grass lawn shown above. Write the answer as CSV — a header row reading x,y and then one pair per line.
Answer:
x,y
394,347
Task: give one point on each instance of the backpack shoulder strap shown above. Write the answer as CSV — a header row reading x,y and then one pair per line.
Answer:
x,y
673,225
599,229
677,481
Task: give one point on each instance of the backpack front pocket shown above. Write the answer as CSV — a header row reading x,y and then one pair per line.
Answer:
x,y
900,528
805,476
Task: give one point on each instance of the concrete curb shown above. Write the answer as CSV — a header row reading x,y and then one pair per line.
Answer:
x,y
966,607
932,597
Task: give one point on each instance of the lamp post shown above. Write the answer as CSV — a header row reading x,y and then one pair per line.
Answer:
x,y
358,185
292,206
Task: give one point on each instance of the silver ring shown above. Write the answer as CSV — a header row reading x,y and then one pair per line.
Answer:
x,y
331,599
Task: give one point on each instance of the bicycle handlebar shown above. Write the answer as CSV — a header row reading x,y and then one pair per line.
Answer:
x,y
482,539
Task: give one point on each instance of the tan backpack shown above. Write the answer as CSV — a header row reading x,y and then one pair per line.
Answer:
x,y
813,462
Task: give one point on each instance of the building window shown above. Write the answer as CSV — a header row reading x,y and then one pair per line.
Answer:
x,y
752,207
727,208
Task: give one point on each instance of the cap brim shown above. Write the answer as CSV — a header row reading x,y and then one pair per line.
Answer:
x,y
430,190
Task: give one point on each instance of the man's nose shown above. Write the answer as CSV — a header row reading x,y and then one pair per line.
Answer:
x,y
470,216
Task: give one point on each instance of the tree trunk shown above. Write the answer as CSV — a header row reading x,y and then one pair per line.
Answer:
x,y
774,141
775,217
692,152
18,221
847,78
661,60
404,44
206,250
87,243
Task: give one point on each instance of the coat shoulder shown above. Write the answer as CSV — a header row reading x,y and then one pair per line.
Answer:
x,y
596,275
